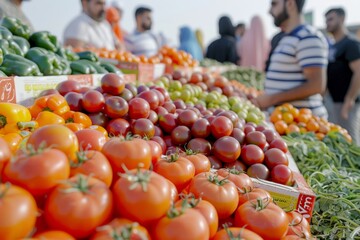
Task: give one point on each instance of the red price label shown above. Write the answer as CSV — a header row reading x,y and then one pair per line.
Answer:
x,y
7,90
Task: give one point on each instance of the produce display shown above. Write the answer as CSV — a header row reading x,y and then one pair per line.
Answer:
x,y
247,76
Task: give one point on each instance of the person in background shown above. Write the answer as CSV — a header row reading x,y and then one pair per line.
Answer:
x,y
143,41
254,46
189,44
90,29
344,74
200,39
274,42
12,8
114,14
239,33
224,48
297,69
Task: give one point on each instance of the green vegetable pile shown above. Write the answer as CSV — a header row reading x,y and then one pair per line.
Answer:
x,y
332,169
247,76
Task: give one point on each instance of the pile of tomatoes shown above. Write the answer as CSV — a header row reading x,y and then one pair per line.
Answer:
x,y
125,162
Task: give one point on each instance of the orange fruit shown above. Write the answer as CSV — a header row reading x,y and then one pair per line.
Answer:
x,y
281,127
312,125
287,117
292,128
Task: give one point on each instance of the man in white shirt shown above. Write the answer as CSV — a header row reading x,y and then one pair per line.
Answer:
x,y
90,29
143,41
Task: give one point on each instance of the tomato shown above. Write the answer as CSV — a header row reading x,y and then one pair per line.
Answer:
x,y
92,163
298,225
251,154
93,101
170,106
188,221
173,192
280,144
274,157
119,228
91,203
55,136
201,128
112,83
161,142
248,129
138,108
282,174
160,96
132,88
90,139
153,117
142,195
187,118
167,122
236,233
258,170
177,169
196,77
252,194
68,86
156,151
74,101
240,179
5,153
256,138
116,107
238,134
205,208
215,162
53,234
98,118
230,115
238,165
131,154
18,212
293,237
38,172
270,135
199,145
180,135
221,126
200,161
227,149
217,190
265,218
151,97
118,127
143,127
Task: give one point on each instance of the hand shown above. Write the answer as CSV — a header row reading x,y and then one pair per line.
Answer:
x,y
263,101
346,107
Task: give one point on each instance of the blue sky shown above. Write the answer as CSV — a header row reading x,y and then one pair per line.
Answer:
x,y
169,15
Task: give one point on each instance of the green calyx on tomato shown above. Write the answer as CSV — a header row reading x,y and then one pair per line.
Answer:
x,y
260,204
231,234
189,151
189,200
81,184
215,180
125,232
174,212
140,177
30,150
6,189
233,170
81,158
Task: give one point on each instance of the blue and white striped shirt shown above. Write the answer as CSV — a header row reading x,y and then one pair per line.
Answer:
x,y
301,48
142,43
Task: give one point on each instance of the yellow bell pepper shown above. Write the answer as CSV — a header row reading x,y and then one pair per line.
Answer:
x,y
13,117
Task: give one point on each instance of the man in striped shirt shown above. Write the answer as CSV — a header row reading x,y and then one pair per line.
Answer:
x,y
297,69
143,41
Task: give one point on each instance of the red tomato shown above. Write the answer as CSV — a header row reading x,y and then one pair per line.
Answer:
x,y
215,162
142,196
227,149
38,172
138,108
282,174
121,227
131,154
90,139
263,217
236,233
50,235
280,144
240,179
206,209
221,126
18,212
189,222
143,127
55,136
93,101
92,163
200,161
80,200
217,190
174,192
5,153
156,151
252,194
177,169
116,107
112,83
298,225
274,157
251,154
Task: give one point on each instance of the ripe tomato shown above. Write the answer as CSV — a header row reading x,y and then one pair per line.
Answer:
x,y
142,195
173,191
55,136
167,122
180,135
161,142
252,194
263,217
282,174
91,203
92,163
188,221
131,154
38,172
151,97
274,157
236,233
112,83
200,161
118,127
143,127
205,208
199,145
156,151
238,165
93,101
298,225
258,170
177,169
217,190
18,212
68,86
187,118
280,144
256,138
251,154
215,162
221,126
138,108
116,107
240,179
121,227
90,139
201,128
227,149
53,234
5,153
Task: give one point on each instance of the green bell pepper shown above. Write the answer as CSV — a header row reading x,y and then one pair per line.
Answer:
x,y
45,40
64,65
2,74
16,27
110,67
19,66
1,56
67,53
48,62
88,55
10,46
23,43
5,33
84,66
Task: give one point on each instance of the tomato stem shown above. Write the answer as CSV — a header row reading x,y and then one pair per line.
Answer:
x,y
6,189
142,178
214,178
